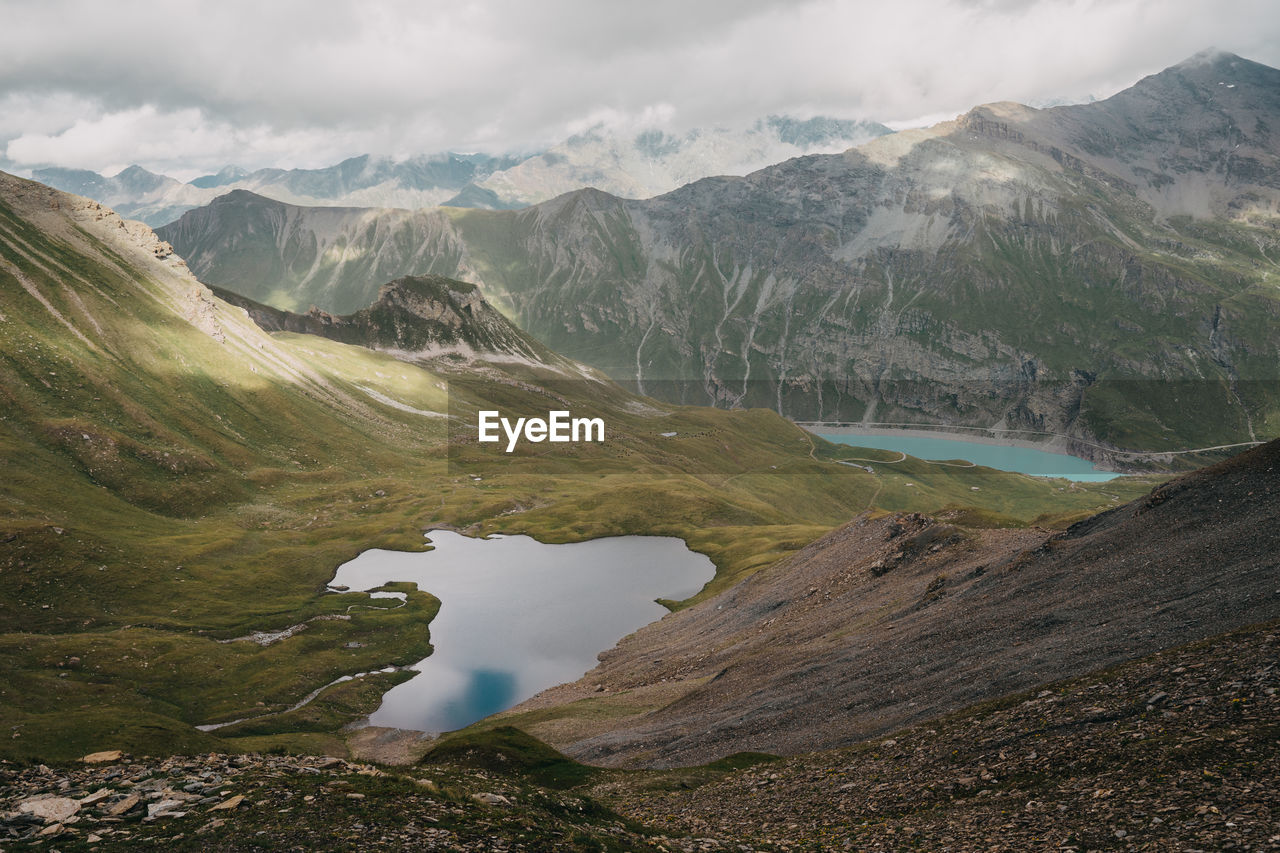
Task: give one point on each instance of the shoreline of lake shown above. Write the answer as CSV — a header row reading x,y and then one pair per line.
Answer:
x,y
506,626
1037,459
980,435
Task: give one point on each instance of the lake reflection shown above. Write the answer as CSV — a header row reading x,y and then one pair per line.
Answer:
x,y
518,616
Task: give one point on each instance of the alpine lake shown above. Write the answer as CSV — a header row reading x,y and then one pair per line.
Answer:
x,y
518,616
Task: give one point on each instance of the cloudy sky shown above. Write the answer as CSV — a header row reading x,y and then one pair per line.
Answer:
x,y
185,87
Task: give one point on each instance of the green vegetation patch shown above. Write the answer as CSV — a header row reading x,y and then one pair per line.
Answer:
x,y
509,750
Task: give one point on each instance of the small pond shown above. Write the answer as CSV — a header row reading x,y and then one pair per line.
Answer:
x,y
518,616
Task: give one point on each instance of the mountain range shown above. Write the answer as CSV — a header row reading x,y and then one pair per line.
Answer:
x,y
652,162
367,180
634,164
1103,272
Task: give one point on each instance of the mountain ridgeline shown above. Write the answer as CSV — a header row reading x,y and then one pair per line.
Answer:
x,y
1104,271
627,163
292,257
653,161
426,315
365,180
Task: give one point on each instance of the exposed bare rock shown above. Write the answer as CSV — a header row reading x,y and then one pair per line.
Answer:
x,y
49,809
892,620
1079,765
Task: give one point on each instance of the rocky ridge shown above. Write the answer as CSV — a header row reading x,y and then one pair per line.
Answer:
x,y
413,317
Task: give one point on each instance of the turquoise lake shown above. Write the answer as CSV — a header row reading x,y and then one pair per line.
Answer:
x,y
1023,460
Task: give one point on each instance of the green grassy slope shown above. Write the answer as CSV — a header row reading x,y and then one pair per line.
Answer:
x,y
175,478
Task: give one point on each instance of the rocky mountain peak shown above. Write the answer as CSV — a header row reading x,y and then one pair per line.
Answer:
x,y
228,174
137,179
241,196
1218,76
427,316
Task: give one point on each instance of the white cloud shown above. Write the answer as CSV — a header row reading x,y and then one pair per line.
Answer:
x,y
188,86
171,142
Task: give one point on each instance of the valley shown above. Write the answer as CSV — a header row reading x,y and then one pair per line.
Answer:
x,y
787,485
176,476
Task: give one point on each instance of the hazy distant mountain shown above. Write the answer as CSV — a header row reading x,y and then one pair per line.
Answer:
x,y
366,181
375,181
637,166
654,162
226,175
1104,270
135,193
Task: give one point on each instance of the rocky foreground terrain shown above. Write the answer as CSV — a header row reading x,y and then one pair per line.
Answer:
x,y
892,620
1178,751
255,802
1174,752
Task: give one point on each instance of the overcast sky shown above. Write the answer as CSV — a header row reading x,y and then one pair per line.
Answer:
x,y
185,87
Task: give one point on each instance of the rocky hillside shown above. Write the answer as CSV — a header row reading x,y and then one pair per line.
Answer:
x,y
294,257
892,620
414,316
1165,753
1104,271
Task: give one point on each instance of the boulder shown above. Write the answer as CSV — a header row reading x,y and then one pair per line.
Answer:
x,y
50,809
